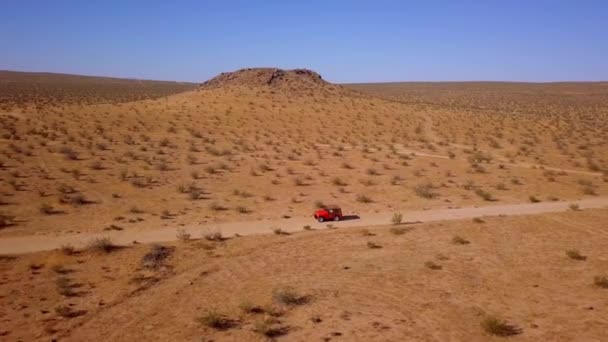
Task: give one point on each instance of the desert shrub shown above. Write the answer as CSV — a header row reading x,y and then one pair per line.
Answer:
x,y
97,165
213,236
469,185
289,296
47,209
67,249
279,231
182,235
501,186
136,210
601,281
367,182
251,308
67,312
373,245
486,196
139,182
319,204
307,227
396,180
195,193
574,207
216,321
69,153
425,191
432,265
347,166
270,327
217,207
397,218
589,190
103,245
65,287
364,198
156,256
575,255
6,220
533,199
458,240
60,269
242,209
478,220
398,230
338,181
163,166
76,200
480,157
498,327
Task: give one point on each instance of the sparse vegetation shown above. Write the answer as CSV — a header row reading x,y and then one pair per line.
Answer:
x,y
182,235
373,245
425,190
601,281
67,249
103,245
397,218
486,196
398,230
575,255
432,265
270,327
156,256
289,296
498,327
458,240
364,198
213,235
217,321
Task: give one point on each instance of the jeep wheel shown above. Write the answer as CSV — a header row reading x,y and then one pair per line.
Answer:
x,y
336,218
320,219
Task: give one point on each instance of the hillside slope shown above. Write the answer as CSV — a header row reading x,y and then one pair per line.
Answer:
x,y
241,148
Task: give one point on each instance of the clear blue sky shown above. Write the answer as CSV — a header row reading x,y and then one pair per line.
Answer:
x,y
345,41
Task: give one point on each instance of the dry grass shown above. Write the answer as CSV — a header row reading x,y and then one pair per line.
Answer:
x,y
601,281
217,321
498,327
102,245
289,296
575,255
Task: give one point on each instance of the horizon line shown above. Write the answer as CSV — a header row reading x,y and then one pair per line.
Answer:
x,y
341,83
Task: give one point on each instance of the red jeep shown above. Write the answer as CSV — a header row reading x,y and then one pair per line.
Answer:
x,y
328,213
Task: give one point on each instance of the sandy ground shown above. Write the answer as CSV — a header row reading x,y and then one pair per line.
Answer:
x,y
488,171
357,284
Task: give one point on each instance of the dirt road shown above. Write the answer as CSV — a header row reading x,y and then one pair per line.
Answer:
x,y
18,245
